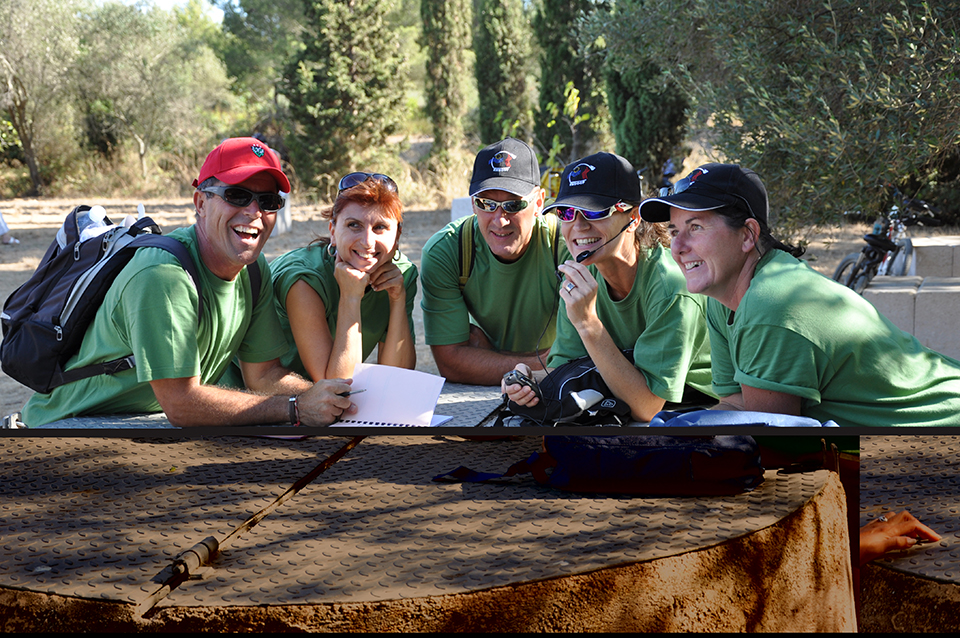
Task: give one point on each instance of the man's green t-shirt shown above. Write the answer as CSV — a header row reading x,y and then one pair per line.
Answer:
x,y
313,265
515,304
150,311
663,323
798,332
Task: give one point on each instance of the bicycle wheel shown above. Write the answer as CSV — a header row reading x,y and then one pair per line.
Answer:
x,y
859,280
901,263
846,268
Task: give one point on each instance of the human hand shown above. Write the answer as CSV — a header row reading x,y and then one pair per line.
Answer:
x,y
388,277
325,402
578,291
352,282
521,393
891,533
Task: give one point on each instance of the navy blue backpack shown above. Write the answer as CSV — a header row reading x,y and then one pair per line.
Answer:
x,y
648,465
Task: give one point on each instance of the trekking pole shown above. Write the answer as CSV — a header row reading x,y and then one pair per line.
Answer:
x,y
189,561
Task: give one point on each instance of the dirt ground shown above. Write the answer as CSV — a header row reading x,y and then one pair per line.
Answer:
x,y
35,221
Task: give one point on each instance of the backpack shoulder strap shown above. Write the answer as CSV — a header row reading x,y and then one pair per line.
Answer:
x,y
144,240
465,234
256,280
553,223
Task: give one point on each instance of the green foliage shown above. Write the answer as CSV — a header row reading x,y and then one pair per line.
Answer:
x,y
567,57
38,46
502,45
10,147
445,36
648,115
566,121
258,38
344,90
149,77
823,98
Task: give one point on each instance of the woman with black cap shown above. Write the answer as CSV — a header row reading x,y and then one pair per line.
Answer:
x,y
784,338
622,291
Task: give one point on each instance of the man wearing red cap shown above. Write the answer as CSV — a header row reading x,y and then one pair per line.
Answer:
x,y
181,347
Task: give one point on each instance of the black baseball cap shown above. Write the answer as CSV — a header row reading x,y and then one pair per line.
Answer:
x,y
597,182
508,165
710,187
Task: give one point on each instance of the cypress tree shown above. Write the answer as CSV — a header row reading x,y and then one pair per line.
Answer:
x,y
648,119
446,34
502,46
563,59
344,88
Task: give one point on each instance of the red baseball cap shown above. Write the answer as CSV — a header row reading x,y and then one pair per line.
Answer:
x,y
239,158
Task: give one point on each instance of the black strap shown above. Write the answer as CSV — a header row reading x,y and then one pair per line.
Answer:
x,y
94,369
256,280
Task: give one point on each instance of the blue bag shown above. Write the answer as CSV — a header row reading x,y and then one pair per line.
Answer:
x,y
648,465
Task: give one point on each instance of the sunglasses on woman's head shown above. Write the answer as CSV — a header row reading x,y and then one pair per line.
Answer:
x,y
241,197
510,206
569,213
686,183
355,179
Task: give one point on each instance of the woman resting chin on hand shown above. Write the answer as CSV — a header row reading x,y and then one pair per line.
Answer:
x,y
339,298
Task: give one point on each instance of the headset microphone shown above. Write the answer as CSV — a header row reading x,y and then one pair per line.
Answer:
x,y
582,257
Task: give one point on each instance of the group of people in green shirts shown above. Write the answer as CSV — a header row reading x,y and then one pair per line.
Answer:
x,y
692,281
713,308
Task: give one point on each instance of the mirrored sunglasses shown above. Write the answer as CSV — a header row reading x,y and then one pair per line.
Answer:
x,y
510,206
569,213
241,197
355,179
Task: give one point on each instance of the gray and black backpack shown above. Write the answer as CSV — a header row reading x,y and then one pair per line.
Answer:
x,y
45,319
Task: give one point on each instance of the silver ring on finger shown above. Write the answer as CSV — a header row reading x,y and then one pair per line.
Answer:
x,y
882,518
570,286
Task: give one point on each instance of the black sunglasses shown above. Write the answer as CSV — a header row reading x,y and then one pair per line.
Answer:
x,y
241,197
355,179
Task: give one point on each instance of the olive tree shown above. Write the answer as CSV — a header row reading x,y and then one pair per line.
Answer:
x,y
824,98
38,47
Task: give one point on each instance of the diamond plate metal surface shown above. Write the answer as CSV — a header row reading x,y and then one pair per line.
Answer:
x,y
920,474
469,405
101,518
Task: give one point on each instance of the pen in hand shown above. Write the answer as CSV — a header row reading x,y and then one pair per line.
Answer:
x,y
346,394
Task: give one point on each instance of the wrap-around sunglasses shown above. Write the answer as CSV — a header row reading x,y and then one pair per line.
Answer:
x,y
241,197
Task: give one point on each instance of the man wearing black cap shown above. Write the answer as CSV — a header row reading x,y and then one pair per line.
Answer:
x,y
480,323
181,347
783,337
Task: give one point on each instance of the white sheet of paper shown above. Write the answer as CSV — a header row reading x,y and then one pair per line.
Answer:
x,y
394,397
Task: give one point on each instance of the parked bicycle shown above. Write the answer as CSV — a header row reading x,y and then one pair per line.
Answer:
x,y
888,251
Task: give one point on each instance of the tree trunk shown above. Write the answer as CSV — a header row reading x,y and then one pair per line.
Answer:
x,y
18,118
142,149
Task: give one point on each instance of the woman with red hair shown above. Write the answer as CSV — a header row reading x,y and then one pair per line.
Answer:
x,y
338,297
